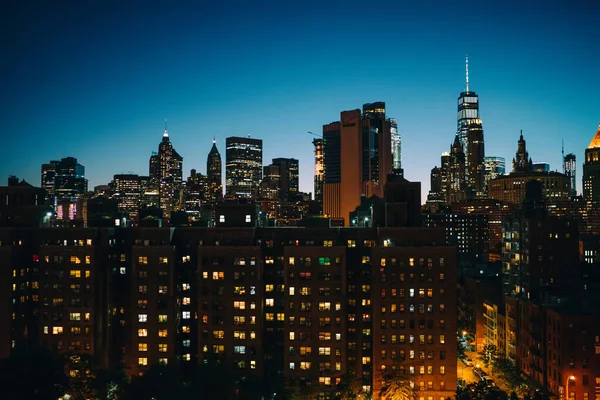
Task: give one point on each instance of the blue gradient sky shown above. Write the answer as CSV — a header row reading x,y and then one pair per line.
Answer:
x,y
96,81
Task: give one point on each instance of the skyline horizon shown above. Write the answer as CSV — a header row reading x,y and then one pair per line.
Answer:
x,y
96,82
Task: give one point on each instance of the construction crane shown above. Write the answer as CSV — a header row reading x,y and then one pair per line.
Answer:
x,y
315,134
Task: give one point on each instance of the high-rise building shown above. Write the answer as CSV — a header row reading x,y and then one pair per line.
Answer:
x,y
569,169
288,177
475,160
468,112
214,174
396,147
64,181
494,167
170,176
457,186
48,178
319,169
243,167
127,191
357,159
591,169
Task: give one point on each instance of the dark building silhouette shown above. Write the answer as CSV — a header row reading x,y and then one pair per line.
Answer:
x,y
475,160
22,204
63,180
570,170
319,169
243,167
456,189
214,173
288,177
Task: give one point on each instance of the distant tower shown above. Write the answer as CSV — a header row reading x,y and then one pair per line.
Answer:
x,y
475,160
396,148
456,173
288,177
243,167
214,174
170,176
591,170
521,162
468,111
570,165
319,169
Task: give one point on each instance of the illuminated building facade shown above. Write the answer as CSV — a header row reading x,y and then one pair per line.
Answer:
x,y
591,170
214,171
319,169
570,170
396,147
63,180
494,167
169,176
288,177
357,159
456,189
48,179
468,113
475,160
243,167
127,191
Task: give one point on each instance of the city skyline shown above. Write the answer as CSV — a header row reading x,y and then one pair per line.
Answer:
x,y
272,62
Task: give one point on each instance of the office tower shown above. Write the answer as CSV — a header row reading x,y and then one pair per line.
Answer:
x,y
435,192
522,161
569,169
48,178
127,191
457,187
510,189
357,159
288,177
494,167
170,176
243,167
468,112
214,173
154,168
396,147
64,180
149,192
195,192
540,167
475,160
591,169
319,169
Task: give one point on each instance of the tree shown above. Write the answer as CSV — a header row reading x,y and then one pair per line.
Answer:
x,y
480,391
349,388
397,385
32,373
490,355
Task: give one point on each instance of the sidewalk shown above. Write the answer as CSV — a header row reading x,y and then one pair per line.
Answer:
x,y
496,377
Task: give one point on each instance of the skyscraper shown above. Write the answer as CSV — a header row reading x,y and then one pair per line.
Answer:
x,y
396,147
288,177
243,167
468,111
319,169
170,176
474,160
127,191
357,159
214,173
591,170
570,165
457,187
64,180
494,167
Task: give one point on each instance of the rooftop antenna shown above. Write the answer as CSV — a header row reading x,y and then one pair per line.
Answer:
x,y
165,134
467,70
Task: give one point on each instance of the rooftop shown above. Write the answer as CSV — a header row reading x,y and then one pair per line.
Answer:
x,y
595,143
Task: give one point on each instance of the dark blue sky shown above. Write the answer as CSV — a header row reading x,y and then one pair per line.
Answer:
x,y
96,81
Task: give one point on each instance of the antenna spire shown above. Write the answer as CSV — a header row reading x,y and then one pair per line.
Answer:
x,y
166,133
563,155
467,70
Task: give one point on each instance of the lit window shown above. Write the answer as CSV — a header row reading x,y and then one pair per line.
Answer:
x,y
162,318
162,348
248,218
186,301
186,315
221,218
75,273
75,316
143,332
142,346
57,330
163,361
142,317
163,333
142,361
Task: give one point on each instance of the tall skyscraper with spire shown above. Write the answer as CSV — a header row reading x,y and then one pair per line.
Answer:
x,y
468,112
214,175
170,176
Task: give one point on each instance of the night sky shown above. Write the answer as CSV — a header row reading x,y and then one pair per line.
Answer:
x,y
96,79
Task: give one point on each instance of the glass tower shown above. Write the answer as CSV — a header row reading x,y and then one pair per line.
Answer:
x,y
468,112
243,167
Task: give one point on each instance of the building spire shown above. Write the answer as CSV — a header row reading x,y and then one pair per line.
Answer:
x,y
563,154
214,140
467,70
166,133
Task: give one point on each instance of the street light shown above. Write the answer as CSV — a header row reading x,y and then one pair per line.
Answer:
x,y
569,380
